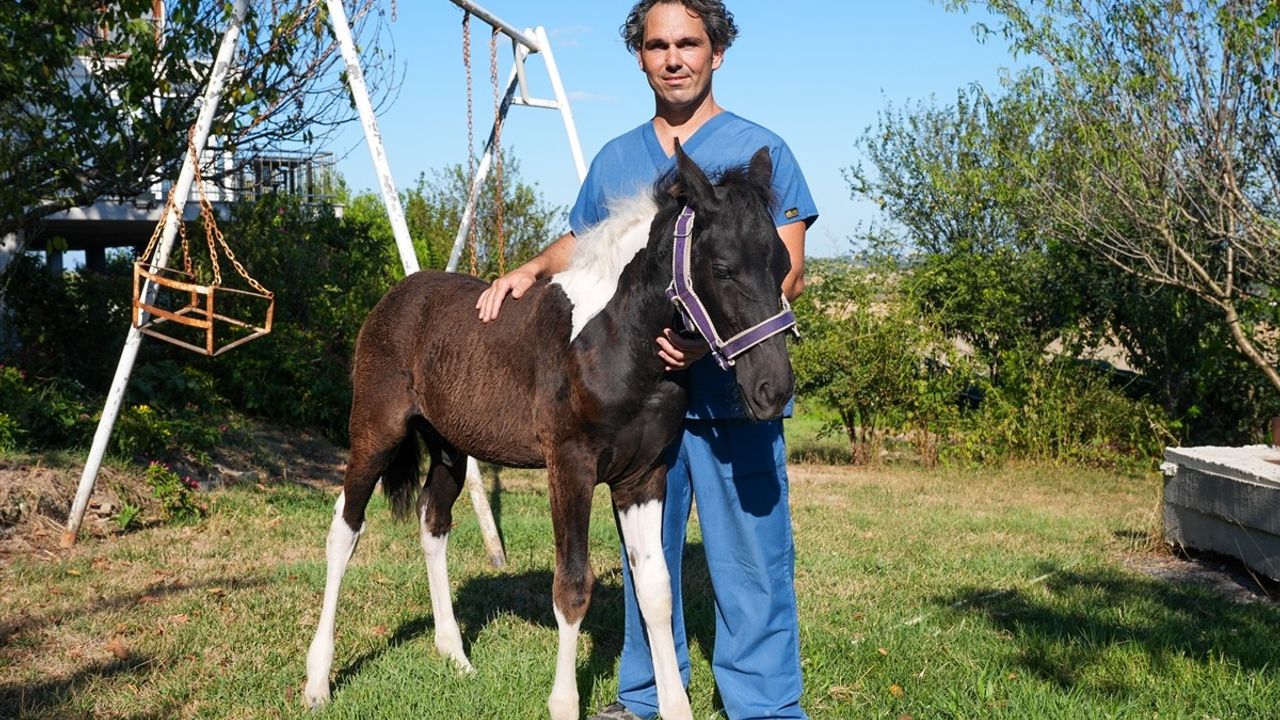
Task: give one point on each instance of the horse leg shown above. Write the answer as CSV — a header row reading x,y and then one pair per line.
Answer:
x,y
641,526
445,478
570,496
371,453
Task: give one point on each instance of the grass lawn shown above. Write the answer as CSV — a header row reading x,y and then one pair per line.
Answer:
x,y
933,594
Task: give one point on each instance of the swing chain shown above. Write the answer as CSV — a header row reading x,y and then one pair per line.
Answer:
x,y
499,199
471,158
211,230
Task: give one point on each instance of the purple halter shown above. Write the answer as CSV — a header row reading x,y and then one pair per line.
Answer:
x,y
681,294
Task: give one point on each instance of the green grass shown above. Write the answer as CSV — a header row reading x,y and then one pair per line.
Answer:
x,y
934,594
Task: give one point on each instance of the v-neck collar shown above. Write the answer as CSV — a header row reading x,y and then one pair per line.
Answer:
x,y
661,159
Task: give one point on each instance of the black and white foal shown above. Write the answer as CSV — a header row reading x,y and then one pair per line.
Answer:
x,y
567,378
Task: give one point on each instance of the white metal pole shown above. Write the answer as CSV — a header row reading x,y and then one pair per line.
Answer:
x,y
482,171
484,515
120,383
360,93
563,101
497,23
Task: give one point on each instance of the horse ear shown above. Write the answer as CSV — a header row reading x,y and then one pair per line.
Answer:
x,y
761,168
694,186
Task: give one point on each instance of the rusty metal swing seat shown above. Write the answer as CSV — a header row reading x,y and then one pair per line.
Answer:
x,y
177,307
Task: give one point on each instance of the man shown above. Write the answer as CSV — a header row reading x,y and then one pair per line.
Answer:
x,y
742,496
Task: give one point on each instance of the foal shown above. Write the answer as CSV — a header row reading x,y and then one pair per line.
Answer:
x,y
568,379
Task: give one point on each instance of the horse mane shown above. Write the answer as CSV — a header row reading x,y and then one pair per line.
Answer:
x,y
668,186
602,252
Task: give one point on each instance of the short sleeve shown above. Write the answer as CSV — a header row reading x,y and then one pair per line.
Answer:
x,y
588,210
795,202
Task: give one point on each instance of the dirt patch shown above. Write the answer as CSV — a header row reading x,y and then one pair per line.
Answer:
x,y
1222,575
36,494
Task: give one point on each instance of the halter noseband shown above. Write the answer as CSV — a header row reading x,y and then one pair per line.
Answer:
x,y
682,295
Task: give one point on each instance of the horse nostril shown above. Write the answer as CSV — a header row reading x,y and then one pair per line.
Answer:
x,y
766,392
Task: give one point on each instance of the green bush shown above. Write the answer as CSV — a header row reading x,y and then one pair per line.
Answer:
x,y
44,412
174,493
870,355
1059,409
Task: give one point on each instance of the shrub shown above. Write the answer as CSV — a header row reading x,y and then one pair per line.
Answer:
x,y
174,493
872,357
1060,409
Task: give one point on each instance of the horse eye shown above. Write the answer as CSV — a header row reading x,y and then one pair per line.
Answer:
x,y
721,272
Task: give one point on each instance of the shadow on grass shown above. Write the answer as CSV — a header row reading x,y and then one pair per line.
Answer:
x,y
527,596
1077,620
57,698
152,592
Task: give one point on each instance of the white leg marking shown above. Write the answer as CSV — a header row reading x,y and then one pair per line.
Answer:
x,y
448,636
642,536
338,550
563,702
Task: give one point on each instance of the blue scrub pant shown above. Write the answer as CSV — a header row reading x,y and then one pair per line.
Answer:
x,y
737,470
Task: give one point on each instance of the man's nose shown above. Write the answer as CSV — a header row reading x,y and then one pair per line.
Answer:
x,y
672,59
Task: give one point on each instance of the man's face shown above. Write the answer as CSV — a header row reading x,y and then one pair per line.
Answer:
x,y
676,55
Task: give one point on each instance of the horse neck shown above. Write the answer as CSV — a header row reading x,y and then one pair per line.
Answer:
x,y
640,308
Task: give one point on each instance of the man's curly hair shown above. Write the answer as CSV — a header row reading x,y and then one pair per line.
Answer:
x,y
716,18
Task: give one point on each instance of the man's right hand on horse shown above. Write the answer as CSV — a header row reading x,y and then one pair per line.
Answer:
x,y
552,259
515,282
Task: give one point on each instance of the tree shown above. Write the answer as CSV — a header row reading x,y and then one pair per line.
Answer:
x,y
1166,131
96,97
870,355
948,179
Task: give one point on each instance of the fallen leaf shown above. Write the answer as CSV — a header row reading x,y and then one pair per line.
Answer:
x,y
116,647
905,716
380,630
883,651
840,692
217,591
148,600
1013,676
73,572
896,690
179,619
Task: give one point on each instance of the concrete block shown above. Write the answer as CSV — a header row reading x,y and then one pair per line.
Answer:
x,y
1226,500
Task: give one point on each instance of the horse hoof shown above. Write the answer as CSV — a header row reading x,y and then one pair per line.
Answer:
x,y
316,697
563,707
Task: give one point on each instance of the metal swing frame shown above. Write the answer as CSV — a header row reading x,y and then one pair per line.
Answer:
x,y
530,41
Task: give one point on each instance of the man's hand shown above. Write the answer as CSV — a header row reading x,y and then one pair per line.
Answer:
x,y
679,353
515,282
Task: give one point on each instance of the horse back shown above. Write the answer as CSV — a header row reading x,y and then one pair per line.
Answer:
x,y
476,383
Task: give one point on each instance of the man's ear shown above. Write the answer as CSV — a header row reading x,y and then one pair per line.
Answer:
x,y
693,185
717,58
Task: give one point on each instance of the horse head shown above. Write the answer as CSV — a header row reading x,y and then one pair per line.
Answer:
x,y
736,267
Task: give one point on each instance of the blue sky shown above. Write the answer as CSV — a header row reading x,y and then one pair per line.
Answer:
x,y
814,72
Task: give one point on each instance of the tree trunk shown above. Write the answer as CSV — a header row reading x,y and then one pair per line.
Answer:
x,y
1246,346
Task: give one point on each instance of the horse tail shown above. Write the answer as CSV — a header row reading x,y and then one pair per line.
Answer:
x,y
400,481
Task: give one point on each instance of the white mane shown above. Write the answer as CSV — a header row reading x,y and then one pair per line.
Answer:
x,y
601,253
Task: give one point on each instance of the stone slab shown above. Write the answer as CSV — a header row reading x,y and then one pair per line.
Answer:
x,y
1260,551
1226,500
1255,463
